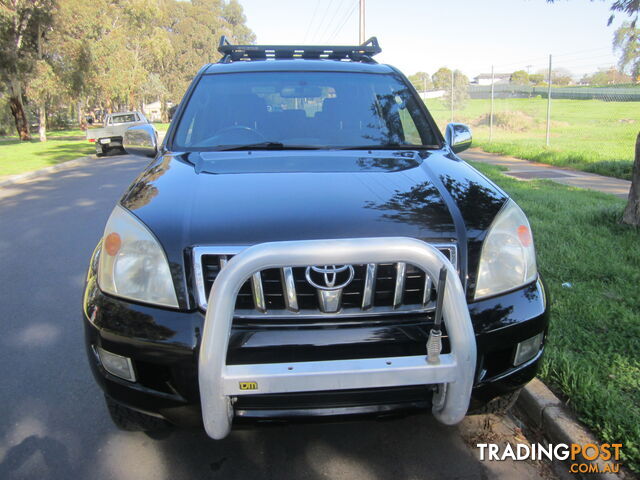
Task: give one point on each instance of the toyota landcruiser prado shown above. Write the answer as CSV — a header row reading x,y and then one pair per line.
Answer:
x,y
306,243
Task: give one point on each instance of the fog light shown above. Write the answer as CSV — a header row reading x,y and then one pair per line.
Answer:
x,y
528,349
117,365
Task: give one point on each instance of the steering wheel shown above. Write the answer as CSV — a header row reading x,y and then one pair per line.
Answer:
x,y
235,134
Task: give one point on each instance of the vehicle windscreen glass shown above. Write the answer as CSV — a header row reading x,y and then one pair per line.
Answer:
x,y
303,109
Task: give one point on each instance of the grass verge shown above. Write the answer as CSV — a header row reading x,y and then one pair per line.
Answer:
x,y
588,135
19,157
593,350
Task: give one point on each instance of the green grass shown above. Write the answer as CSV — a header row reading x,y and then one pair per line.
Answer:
x,y
61,145
593,349
19,157
589,135
161,127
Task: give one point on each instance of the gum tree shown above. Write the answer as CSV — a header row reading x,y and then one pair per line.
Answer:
x,y
22,23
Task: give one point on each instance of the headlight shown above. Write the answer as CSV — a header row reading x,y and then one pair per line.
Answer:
x,y
132,262
508,258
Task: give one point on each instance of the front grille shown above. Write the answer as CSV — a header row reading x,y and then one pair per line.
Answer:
x,y
374,289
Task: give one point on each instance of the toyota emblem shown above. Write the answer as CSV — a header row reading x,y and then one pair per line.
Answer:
x,y
329,277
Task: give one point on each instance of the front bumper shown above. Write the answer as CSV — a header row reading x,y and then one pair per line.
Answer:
x,y
164,346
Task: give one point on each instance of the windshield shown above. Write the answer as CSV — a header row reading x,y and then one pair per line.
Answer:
x,y
302,109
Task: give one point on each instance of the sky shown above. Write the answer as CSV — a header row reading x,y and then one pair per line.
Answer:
x,y
470,35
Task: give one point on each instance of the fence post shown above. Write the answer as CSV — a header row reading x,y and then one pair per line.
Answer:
x,y
491,112
549,103
452,95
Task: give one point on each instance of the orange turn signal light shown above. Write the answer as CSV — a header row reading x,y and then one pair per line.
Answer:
x,y
524,234
112,244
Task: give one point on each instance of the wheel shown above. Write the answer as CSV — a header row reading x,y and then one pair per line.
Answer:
x,y
499,405
132,421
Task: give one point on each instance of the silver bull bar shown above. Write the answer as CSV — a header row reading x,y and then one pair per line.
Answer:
x,y
453,372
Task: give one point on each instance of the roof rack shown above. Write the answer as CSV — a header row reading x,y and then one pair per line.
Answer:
x,y
355,53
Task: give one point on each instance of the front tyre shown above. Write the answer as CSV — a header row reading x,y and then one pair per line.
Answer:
x,y
131,420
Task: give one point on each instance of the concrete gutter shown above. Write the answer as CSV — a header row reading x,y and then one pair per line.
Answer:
x,y
558,424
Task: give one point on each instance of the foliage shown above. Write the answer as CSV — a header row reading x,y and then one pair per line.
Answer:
x,y
44,83
606,76
626,40
630,7
594,337
559,76
536,78
519,77
23,24
421,81
442,80
626,37
78,56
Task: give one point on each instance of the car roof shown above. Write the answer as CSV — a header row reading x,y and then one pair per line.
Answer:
x,y
297,65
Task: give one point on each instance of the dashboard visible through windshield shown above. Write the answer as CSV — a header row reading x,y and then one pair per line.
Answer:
x,y
302,110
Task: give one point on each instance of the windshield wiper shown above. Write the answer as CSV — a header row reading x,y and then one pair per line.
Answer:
x,y
389,147
265,146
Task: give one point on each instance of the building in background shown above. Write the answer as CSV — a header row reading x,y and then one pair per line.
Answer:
x,y
485,79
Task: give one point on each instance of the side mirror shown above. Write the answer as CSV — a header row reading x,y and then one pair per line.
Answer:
x,y
458,136
141,140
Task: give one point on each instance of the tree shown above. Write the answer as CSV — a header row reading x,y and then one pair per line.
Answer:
x,y
632,211
106,54
519,77
536,78
626,40
21,24
41,89
606,76
442,81
559,76
421,81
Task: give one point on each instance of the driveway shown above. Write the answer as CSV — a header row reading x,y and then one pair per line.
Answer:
x,y
54,424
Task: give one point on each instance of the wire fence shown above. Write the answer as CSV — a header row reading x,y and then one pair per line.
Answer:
x,y
581,126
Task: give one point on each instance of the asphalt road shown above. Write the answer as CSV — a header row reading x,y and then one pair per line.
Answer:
x,y
53,423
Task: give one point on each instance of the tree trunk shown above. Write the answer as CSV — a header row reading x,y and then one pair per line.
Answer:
x,y
42,122
82,121
164,111
632,212
17,110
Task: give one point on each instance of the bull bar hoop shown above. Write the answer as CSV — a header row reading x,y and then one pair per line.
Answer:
x,y
219,383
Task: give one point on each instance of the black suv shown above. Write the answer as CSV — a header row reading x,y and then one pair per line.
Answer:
x,y
305,243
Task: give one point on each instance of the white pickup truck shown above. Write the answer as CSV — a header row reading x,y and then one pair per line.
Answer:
x,y
110,135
